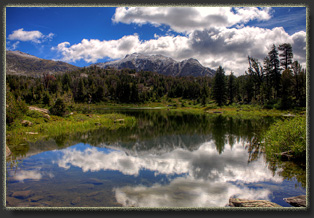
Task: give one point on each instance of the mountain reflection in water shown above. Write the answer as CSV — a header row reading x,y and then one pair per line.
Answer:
x,y
165,160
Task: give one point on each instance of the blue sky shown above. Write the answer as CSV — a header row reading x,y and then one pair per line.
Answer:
x,y
215,36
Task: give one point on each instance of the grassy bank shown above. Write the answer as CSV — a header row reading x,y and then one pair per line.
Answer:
x,y
189,106
286,139
42,126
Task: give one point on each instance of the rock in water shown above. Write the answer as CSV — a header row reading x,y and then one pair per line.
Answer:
x,y
298,201
237,202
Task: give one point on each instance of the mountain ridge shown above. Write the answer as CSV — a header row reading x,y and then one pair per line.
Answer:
x,y
160,64
20,63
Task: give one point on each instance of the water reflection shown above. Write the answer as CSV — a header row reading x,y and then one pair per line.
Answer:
x,y
165,160
202,177
185,192
159,130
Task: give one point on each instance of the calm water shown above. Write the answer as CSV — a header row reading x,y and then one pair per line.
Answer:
x,y
165,160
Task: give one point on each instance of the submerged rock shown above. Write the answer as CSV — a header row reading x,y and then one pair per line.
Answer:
x,y
22,194
298,201
93,181
76,200
237,202
36,198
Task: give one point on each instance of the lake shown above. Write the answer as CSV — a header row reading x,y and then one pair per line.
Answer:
x,y
166,159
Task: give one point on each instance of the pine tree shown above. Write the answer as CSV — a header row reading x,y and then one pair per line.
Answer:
x,y
59,108
267,80
204,94
275,75
286,93
231,88
219,87
286,55
256,73
81,92
299,83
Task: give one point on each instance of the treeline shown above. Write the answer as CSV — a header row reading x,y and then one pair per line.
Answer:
x,y
279,83
95,85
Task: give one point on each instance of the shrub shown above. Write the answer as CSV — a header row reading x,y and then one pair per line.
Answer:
x,y
47,99
34,114
59,108
287,136
14,108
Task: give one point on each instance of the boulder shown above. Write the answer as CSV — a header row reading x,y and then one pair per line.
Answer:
x,y
42,110
26,123
31,133
46,116
119,121
237,202
298,201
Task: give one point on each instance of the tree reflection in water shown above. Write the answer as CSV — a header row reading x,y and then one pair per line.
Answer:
x,y
158,131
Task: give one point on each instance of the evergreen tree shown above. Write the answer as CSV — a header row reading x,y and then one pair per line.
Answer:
x,y
66,82
275,75
256,73
286,93
100,94
219,87
134,94
59,108
231,89
286,55
299,84
81,91
204,94
15,108
267,85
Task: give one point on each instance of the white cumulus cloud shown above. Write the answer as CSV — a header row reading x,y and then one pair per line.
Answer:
x,y
33,36
213,47
94,49
187,19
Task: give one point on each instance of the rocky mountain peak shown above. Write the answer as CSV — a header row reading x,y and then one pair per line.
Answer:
x,y
160,64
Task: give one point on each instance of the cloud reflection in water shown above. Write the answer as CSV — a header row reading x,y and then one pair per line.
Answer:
x,y
209,178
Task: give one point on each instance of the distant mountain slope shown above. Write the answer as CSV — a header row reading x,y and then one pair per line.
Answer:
x,y
19,63
160,64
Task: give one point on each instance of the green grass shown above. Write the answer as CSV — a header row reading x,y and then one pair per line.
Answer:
x,y
190,106
287,135
55,126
